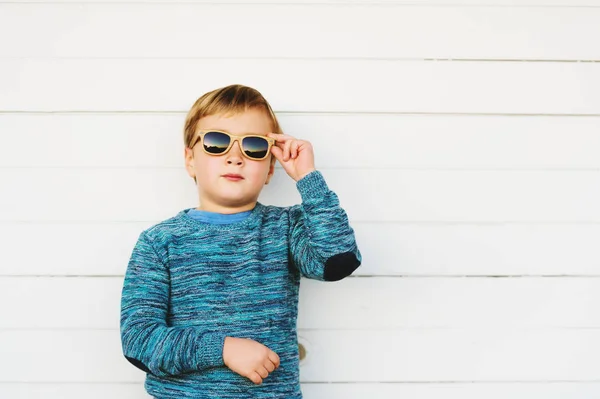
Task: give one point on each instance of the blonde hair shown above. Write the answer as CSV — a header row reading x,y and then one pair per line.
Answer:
x,y
227,100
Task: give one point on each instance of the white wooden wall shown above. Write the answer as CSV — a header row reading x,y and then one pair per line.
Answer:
x,y
462,136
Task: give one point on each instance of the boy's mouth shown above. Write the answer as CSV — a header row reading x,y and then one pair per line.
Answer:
x,y
233,177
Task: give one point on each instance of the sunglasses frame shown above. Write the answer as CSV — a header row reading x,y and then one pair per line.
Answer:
x,y
232,139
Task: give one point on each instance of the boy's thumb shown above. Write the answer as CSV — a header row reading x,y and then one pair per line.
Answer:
x,y
277,152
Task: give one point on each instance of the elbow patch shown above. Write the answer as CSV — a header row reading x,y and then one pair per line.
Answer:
x,y
339,266
138,364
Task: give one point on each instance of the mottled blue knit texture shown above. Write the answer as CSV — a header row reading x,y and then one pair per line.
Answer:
x,y
189,284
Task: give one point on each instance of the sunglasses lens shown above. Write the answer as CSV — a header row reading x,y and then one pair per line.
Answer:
x,y
255,147
215,142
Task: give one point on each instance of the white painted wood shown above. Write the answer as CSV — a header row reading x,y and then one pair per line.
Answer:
x,y
339,140
451,390
356,303
388,248
73,390
91,195
487,168
577,390
294,85
299,31
516,3
335,355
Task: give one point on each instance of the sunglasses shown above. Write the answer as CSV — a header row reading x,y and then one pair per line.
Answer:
x,y
216,142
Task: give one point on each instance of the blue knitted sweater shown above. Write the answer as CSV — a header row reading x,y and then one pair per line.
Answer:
x,y
189,284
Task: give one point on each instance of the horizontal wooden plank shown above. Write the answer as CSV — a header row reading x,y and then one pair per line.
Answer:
x,y
290,85
386,195
555,390
451,391
74,391
418,355
340,140
391,249
357,303
172,30
520,3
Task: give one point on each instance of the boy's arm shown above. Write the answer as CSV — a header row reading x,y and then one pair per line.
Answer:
x,y
147,341
322,243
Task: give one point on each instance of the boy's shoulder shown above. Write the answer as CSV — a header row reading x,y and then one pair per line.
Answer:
x,y
165,228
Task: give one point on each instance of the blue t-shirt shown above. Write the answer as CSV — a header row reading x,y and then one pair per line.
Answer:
x,y
217,218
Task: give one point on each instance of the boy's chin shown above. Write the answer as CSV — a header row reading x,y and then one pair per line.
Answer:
x,y
232,200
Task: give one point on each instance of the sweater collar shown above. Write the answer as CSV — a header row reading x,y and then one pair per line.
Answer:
x,y
204,225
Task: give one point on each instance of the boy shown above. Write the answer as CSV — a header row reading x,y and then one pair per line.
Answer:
x,y
210,297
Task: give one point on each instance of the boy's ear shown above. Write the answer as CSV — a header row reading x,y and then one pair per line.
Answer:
x,y
189,161
271,169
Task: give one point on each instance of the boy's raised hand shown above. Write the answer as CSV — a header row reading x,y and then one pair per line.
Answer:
x,y
296,156
249,358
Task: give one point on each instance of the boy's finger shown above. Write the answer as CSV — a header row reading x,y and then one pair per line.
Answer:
x,y
274,357
281,137
269,365
262,371
286,152
255,378
279,144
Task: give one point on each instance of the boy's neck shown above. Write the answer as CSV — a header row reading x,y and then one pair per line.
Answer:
x,y
225,210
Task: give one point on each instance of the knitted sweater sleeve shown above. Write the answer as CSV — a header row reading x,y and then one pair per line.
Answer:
x,y
147,341
322,243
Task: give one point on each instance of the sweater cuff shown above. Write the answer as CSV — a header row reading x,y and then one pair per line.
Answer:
x,y
312,185
209,350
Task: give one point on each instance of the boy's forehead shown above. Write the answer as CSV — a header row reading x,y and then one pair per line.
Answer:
x,y
240,123
234,132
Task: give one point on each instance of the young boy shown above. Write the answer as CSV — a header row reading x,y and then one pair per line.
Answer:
x,y
210,297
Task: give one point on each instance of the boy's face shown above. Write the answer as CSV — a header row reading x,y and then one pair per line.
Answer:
x,y
216,192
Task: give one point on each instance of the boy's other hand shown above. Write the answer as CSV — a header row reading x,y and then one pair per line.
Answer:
x,y
296,156
249,358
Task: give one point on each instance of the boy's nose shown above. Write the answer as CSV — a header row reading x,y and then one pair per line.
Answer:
x,y
235,155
